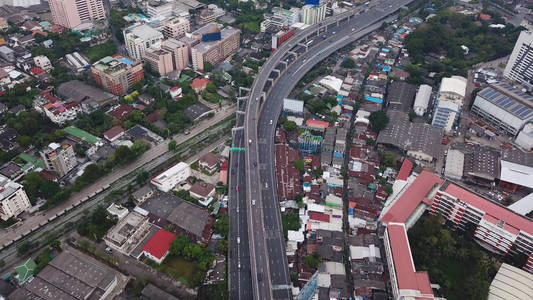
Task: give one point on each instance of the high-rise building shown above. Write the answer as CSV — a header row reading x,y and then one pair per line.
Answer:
x,y
140,37
520,64
117,74
180,53
176,27
13,199
71,13
160,60
313,14
59,158
215,47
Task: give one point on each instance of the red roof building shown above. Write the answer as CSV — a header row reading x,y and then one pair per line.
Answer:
x,y
405,170
158,246
484,17
114,133
199,84
496,227
318,216
122,112
36,71
223,176
317,124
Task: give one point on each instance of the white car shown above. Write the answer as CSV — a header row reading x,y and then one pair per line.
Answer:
x,y
238,240
270,122
253,201
266,185
249,141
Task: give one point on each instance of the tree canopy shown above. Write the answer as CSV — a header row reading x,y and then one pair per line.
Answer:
x,y
378,120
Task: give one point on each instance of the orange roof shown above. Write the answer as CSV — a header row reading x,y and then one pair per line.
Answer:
x,y
199,82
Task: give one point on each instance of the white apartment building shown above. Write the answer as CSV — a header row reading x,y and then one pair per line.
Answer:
x,y
312,14
43,62
13,199
176,27
171,177
518,67
140,37
159,9
59,158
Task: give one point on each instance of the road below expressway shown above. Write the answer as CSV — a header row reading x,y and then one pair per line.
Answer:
x,y
263,272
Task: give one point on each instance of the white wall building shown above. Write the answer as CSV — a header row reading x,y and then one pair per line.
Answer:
x,y
171,177
140,37
128,233
525,137
312,14
504,107
454,165
43,62
422,99
159,9
13,199
59,158
450,101
518,67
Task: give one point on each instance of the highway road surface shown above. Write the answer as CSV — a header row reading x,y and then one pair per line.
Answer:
x,y
269,270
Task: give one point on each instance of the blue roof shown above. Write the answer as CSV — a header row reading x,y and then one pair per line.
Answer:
x,y
386,68
373,99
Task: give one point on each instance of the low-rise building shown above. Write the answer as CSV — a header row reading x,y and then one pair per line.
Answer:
x,y
56,110
168,179
128,233
504,107
114,133
158,246
421,141
142,194
13,199
202,190
43,62
69,276
209,163
449,103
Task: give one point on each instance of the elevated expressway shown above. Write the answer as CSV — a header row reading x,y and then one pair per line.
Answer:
x,y
258,266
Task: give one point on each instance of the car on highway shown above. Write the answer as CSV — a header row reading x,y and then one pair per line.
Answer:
x,y
239,265
266,185
249,141
238,240
259,276
237,188
253,201
270,122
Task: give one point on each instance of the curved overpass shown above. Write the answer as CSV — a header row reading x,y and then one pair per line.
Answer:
x,y
267,267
